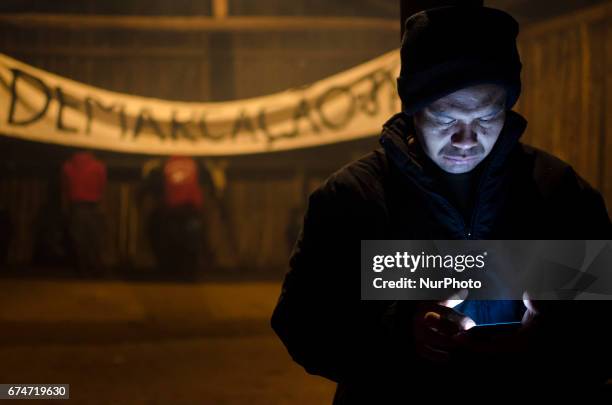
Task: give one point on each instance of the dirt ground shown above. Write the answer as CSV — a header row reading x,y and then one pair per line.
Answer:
x,y
152,344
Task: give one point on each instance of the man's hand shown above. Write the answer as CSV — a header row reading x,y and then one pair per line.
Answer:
x,y
437,324
534,310
510,344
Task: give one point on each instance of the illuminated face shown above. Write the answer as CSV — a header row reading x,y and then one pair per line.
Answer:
x,y
459,130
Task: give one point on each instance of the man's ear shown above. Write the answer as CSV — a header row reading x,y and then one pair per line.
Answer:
x,y
411,118
412,123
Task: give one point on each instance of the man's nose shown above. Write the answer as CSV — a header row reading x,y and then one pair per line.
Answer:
x,y
465,138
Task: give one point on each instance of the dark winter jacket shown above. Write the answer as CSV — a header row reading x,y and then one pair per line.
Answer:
x,y
367,346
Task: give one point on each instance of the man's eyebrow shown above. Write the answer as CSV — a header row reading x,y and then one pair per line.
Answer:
x,y
496,110
440,113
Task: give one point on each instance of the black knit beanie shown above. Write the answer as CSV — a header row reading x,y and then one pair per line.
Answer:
x,y
449,48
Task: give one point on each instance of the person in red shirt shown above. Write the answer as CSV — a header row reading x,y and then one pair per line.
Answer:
x,y
83,184
176,225
84,178
181,183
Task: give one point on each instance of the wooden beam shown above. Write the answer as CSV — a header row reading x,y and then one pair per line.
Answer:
x,y
220,8
106,51
587,15
123,51
196,24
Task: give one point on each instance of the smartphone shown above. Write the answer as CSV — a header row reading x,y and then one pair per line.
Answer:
x,y
494,330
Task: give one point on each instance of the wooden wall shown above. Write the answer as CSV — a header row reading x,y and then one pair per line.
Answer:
x,y
567,91
567,85
248,224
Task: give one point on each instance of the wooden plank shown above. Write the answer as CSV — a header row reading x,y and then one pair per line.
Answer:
x,y
163,52
567,21
196,23
606,134
563,96
220,8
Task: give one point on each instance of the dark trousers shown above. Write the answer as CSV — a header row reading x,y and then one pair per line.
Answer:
x,y
177,238
85,229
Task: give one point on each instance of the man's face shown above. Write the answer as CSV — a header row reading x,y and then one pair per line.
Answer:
x,y
459,130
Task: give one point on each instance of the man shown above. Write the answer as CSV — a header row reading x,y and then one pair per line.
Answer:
x,y
176,225
451,167
84,182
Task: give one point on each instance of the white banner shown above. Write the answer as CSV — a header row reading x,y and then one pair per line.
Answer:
x,y
40,106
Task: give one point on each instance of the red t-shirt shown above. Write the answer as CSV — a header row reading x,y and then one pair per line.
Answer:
x,y
181,181
84,178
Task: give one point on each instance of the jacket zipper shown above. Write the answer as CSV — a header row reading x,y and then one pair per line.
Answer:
x,y
467,230
477,203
